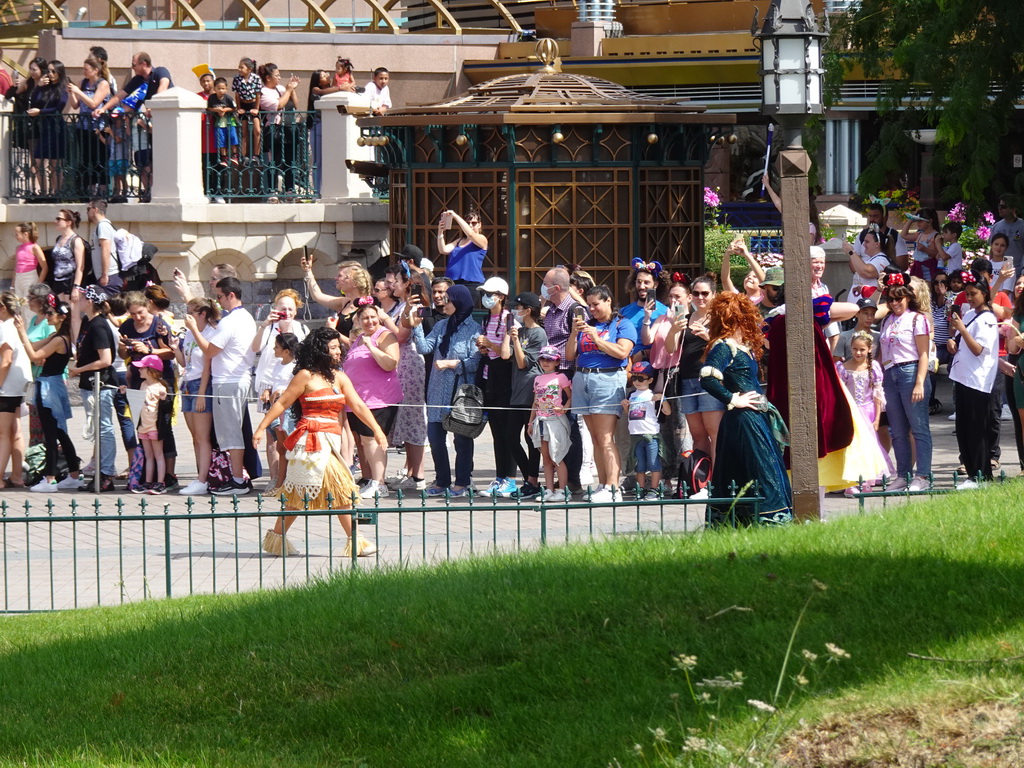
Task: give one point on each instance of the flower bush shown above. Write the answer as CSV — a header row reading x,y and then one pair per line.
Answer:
x,y
898,199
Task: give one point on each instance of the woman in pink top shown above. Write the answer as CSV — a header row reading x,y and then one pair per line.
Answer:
x,y
27,260
372,364
903,352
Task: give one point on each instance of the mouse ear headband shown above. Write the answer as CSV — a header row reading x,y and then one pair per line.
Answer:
x,y
654,267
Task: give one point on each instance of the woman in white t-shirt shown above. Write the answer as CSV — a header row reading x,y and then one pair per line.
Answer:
x,y
274,98
878,248
975,349
15,377
201,319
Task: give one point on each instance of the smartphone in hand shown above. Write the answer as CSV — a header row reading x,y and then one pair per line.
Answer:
x,y
446,220
509,322
579,313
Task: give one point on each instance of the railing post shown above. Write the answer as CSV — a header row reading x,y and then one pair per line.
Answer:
x,y
97,479
6,128
167,552
177,146
339,133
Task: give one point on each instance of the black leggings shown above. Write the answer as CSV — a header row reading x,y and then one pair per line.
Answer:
x,y
529,460
974,431
52,434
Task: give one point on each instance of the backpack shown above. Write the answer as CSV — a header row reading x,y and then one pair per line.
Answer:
x,y
137,469
133,259
466,417
220,470
694,471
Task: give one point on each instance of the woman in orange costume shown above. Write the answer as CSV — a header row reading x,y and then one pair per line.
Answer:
x,y
315,466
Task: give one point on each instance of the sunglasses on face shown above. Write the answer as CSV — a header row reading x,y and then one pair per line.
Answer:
x,y
61,218
1003,205
701,294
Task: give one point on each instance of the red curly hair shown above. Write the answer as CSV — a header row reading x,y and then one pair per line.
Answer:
x,y
732,311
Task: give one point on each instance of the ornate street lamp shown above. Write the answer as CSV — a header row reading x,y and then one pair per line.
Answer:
x,y
791,90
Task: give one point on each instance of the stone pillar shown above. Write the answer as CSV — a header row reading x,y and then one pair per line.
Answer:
x,y
177,146
339,134
586,37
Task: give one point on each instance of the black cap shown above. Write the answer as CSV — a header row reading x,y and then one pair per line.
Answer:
x,y
527,299
865,303
410,251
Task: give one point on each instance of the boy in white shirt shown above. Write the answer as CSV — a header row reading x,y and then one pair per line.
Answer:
x,y
379,92
949,242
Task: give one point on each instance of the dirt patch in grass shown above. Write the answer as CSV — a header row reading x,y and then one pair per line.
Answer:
x,y
979,735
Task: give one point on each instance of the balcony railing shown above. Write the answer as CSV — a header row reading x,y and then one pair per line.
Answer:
x,y
74,157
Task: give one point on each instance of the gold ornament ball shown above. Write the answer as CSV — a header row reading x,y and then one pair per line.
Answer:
x,y
652,138
361,141
557,137
461,140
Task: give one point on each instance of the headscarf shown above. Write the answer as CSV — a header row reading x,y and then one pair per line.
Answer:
x,y
462,300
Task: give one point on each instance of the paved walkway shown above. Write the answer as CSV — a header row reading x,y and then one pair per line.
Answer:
x,y
142,547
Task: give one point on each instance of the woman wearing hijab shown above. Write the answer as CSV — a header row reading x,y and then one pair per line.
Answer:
x,y
453,344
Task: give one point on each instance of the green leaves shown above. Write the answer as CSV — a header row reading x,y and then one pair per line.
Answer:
x,y
954,65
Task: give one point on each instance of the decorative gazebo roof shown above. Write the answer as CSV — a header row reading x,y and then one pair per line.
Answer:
x,y
548,96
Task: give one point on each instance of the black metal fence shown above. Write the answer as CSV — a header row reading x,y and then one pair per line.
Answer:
x,y
73,157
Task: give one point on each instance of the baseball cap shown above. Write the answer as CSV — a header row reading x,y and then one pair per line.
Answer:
x,y
865,302
642,369
150,361
494,285
528,299
549,353
413,252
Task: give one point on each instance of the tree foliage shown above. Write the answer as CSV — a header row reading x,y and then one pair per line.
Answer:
x,y
953,65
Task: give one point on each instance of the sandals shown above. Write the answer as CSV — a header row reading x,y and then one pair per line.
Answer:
x,y
9,486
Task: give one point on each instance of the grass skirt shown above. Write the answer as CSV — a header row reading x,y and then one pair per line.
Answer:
x,y
313,475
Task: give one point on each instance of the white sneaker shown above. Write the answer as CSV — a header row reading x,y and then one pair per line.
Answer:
x,y
896,484
70,483
195,488
1005,414
44,486
968,485
918,484
553,497
373,488
89,468
219,200
602,496
492,489
701,494
410,483
395,480
952,416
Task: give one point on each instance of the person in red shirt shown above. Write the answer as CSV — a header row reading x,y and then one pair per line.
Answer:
x,y
6,83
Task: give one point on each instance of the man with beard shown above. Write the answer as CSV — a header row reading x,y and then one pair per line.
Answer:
x,y
644,286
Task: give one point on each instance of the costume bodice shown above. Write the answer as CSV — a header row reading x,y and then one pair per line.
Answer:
x,y
322,404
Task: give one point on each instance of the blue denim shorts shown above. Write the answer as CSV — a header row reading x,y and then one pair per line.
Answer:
x,y
189,389
594,393
647,454
702,403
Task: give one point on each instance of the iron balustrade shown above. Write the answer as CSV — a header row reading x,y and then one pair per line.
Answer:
x,y
72,158
275,156
58,556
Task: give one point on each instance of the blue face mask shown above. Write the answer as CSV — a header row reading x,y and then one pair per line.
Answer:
x,y
489,301
544,292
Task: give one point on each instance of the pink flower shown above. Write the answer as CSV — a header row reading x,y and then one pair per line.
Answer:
x,y
711,198
958,213
989,218
984,232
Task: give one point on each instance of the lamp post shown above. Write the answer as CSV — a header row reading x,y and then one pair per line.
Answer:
x,y
791,89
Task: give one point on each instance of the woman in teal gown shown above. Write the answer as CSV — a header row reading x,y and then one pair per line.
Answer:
x,y
748,439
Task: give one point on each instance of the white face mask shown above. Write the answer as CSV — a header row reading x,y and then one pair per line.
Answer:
x,y
489,301
544,292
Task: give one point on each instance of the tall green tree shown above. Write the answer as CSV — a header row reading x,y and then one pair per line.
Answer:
x,y
955,65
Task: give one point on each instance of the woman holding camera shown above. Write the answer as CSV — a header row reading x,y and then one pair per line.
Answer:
x,y
689,337
466,254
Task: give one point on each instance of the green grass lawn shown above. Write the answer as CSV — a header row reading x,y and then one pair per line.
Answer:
x,y
557,658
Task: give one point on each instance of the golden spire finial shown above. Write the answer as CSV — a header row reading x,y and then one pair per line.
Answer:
x,y
547,52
